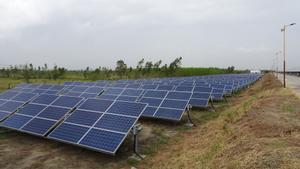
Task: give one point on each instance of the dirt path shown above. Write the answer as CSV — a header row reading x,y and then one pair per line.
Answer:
x,y
293,82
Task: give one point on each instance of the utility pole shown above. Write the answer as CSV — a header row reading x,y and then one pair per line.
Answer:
x,y
284,57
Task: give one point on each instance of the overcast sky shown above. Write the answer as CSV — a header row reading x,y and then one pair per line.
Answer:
x,y
206,33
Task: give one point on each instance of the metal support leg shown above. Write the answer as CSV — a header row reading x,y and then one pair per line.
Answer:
x,y
212,107
190,123
135,130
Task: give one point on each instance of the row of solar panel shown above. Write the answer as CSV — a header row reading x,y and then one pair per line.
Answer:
x,y
98,124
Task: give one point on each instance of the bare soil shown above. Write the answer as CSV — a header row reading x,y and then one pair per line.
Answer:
x,y
257,128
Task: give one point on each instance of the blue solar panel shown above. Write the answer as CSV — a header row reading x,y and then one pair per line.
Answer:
x,y
155,94
68,132
108,97
79,89
52,92
179,95
54,113
39,91
116,123
57,87
132,92
31,109
203,89
2,102
176,104
127,98
67,101
127,108
165,113
10,106
184,88
149,111
45,99
199,102
27,90
8,95
74,94
165,87
44,86
113,91
98,105
15,121
3,115
151,101
133,86
103,140
38,126
88,95
96,90
201,96
83,117
24,97
149,86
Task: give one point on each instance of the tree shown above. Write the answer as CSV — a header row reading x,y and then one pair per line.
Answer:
x,y
121,68
230,69
148,67
156,65
174,65
85,72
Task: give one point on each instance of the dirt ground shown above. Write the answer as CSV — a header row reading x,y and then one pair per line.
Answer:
x,y
258,128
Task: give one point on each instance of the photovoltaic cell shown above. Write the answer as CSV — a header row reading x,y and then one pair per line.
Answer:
x,y
68,133
126,108
3,115
102,140
38,126
24,97
83,117
116,123
31,109
98,105
54,113
10,106
8,95
45,99
15,121
67,101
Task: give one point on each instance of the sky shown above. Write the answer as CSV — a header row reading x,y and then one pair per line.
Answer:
x,y
206,33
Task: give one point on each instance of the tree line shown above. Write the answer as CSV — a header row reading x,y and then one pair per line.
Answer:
x,y
143,69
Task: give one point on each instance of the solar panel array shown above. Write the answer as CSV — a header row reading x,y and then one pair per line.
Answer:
x,y
99,115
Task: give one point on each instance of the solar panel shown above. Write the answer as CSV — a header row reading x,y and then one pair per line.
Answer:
x,y
84,117
165,87
97,90
54,113
155,94
79,89
98,105
165,105
99,124
10,106
3,115
45,99
8,95
38,126
108,96
24,97
16,121
67,101
184,88
149,86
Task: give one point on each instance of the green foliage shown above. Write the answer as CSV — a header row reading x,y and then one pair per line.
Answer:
x,y
144,69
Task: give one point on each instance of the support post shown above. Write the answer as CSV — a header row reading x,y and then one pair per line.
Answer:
x,y
190,123
135,131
